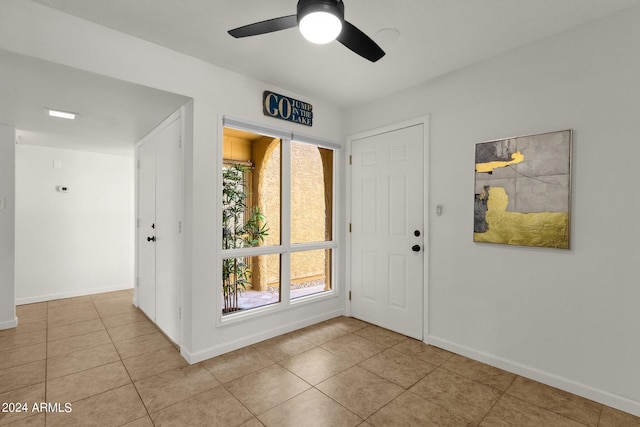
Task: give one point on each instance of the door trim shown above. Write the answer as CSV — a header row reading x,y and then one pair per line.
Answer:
x,y
421,120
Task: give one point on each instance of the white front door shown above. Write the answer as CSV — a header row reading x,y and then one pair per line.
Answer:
x,y
159,228
387,238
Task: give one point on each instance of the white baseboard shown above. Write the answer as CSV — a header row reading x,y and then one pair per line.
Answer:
x,y
8,324
210,352
600,396
71,294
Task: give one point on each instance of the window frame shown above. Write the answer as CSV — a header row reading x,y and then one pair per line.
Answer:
x,y
285,248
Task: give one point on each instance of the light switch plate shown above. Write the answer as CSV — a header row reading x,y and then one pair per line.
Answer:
x,y
3,203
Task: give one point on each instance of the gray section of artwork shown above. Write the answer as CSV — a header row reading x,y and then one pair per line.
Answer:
x,y
495,151
542,194
545,155
480,213
541,182
508,184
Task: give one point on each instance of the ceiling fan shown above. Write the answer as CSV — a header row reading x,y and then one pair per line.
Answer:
x,y
319,21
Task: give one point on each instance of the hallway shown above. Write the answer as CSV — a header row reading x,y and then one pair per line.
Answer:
x,y
102,356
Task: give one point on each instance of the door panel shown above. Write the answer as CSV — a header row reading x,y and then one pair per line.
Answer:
x,y
387,207
168,217
398,275
147,219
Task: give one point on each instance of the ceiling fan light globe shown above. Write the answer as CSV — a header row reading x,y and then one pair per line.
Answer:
x,y
320,27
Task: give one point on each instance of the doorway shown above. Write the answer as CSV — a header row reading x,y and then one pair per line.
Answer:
x,y
388,232
159,226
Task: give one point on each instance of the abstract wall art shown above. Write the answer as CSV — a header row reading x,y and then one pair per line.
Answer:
x,y
523,190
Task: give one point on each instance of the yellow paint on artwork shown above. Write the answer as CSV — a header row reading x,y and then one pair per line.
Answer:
x,y
544,229
516,157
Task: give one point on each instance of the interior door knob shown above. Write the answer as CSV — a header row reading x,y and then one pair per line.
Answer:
x,y
416,248
151,239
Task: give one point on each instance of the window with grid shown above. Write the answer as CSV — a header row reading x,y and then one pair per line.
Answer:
x,y
277,218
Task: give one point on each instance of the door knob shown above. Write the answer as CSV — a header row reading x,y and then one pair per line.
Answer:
x,y
151,239
415,248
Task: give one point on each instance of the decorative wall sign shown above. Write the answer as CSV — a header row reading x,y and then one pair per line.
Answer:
x,y
523,190
285,108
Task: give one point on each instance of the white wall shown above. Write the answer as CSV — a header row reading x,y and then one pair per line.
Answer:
x,y
75,243
64,39
7,218
567,317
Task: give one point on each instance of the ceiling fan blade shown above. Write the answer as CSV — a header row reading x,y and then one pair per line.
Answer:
x,y
263,27
359,42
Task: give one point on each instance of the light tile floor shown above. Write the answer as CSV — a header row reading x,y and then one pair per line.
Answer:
x,y
102,356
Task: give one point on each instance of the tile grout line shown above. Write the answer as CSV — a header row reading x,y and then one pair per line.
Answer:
x,y
187,398
600,415
311,386
502,393
236,399
498,399
121,361
73,336
407,390
124,365
441,365
547,410
338,373
357,364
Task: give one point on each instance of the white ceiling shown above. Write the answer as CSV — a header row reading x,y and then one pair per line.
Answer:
x,y
113,114
436,37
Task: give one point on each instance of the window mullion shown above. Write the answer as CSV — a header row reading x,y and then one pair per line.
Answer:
x,y
252,251
312,246
285,257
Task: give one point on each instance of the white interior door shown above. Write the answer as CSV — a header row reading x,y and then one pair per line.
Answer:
x,y
168,230
146,229
160,228
387,238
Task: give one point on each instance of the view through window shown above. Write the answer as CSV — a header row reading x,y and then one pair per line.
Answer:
x,y
266,179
